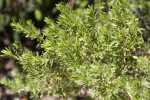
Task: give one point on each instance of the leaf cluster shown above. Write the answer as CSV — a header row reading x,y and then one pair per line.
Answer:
x,y
95,52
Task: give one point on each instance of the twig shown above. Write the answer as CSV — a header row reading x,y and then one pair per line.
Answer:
x,y
72,3
137,11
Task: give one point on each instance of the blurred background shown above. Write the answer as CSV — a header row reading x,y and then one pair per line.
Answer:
x,y
37,10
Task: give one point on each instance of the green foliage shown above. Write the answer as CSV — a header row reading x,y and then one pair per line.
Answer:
x,y
95,52
29,31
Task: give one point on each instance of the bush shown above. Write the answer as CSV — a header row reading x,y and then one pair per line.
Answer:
x,y
94,53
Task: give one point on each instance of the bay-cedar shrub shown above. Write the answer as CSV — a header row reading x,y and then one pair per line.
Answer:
x,y
94,52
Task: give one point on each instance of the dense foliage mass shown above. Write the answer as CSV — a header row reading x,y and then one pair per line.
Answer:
x,y
94,53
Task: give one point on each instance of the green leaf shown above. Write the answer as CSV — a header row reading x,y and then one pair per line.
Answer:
x,y
84,3
38,14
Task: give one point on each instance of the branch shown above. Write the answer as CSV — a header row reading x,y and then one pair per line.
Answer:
x,y
72,3
137,11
